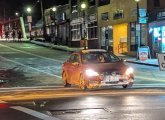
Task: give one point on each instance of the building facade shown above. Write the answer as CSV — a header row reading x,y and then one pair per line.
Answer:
x,y
119,30
83,24
57,24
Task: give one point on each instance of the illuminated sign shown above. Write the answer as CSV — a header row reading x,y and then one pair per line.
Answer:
x,y
143,20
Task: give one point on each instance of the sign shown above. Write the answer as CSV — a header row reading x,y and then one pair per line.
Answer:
x,y
143,53
161,15
161,60
142,19
142,12
29,19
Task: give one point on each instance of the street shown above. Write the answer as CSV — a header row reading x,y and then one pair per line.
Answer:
x,y
31,88
90,107
27,65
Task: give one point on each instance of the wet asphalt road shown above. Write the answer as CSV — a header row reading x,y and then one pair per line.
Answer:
x,y
27,65
127,107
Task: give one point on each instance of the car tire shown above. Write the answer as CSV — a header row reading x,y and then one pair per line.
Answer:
x,y
64,78
128,86
82,83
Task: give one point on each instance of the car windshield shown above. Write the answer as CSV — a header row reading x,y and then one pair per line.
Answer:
x,y
99,57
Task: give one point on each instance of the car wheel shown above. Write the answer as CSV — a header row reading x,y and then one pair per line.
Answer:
x,y
64,78
128,86
82,83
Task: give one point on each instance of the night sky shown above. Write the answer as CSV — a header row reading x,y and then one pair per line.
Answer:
x,y
12,6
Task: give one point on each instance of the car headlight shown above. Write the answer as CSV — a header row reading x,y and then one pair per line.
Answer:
x,y
90,72
129,71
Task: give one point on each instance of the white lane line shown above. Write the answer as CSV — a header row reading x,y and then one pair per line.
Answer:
x,y
149,84
34,113
149,79
29,67
31,53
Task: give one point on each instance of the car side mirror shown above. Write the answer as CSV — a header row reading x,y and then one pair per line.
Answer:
x,y
123,60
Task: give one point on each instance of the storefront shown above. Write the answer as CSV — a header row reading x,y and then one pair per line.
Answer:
x,y
157,33
107,38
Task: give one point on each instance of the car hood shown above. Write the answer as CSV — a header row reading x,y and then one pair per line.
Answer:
x,y
107,67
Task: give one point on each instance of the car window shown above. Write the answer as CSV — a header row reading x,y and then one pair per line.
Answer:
x,y
98,57
74,58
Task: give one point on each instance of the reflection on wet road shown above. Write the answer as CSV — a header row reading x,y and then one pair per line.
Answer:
x,y
128,107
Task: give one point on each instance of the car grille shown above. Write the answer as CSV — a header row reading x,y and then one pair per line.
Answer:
x,y
112,73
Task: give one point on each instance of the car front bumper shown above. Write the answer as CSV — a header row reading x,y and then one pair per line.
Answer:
x,y
103,81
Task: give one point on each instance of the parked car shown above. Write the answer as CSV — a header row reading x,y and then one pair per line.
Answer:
x,y
96,68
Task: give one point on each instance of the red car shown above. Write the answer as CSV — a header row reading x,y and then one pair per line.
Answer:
x,y
95,68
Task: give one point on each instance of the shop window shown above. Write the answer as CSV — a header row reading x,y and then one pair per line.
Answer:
x,y
133,42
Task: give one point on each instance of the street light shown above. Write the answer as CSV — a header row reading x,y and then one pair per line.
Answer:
x,y
85,37
54,9
29,20
17,14
29,9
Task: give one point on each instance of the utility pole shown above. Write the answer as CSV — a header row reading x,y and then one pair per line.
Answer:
x,y
43,19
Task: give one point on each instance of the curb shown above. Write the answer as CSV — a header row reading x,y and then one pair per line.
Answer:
x,y
57,47
154,65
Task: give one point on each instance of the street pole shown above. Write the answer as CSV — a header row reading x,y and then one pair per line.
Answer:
x,y
85,36
138,24
43,19
138,28
84,30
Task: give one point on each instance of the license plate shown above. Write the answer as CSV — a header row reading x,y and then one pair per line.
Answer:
x,y
110,78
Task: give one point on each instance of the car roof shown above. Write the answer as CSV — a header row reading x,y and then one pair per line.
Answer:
x,y
94,50
83,51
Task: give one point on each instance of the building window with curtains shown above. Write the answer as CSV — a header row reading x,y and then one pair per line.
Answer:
x,y
92,30
76,32
74,7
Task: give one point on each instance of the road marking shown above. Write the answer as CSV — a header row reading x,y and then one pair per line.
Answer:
x,y
34,113
30,67
150,79
31,53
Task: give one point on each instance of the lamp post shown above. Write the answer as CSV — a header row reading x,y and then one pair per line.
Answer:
x,y
42,16
85,35
137,23
29,20
54,9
